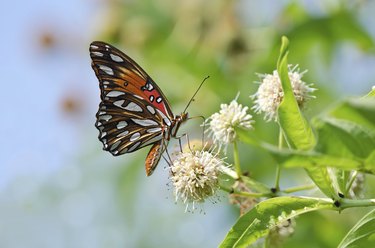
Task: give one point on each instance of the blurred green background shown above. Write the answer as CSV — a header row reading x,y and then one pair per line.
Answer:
x,y
59,189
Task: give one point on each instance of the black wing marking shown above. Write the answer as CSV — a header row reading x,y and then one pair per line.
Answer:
x,y
127,123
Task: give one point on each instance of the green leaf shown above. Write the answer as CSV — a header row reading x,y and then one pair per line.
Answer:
x,y
362,234
344,138
371,93
341,177
357,110
323,181
316,164
296,129
310,159
268,214
370,162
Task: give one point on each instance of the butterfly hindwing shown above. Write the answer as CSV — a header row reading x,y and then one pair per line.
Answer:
x,y
153,156
127,124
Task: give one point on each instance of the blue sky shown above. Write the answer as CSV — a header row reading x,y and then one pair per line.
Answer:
x,y
36,136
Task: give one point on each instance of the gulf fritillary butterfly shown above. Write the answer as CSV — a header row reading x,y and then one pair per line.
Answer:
x,y
133,112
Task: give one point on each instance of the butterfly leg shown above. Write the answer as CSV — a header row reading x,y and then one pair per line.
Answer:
x,y
168,160
204,126
169,157
187,140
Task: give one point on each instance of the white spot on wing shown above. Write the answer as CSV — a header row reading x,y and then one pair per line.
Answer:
x,y
145,122
122,134
133,107
105,117
119,103
94,47
159,99
99,54
166,119
153,140
115,145
124,151
150,87
135,136
106,69
121,124
115,93
134,146
154,130
151,109
105,143
116,58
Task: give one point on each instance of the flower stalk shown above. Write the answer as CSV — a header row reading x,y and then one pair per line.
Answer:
x,y
236,159
243,193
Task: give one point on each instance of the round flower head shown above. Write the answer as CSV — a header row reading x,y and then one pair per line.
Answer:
x,y
222,124
194,176
270,93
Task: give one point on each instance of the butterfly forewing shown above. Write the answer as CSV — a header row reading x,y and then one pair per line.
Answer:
x,y
117,71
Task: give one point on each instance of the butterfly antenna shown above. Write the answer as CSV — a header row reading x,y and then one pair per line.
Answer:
x,y
191,99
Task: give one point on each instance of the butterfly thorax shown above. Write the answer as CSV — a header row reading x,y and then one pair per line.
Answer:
x,y
176,123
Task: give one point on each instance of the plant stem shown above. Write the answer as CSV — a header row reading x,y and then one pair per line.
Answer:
x,y
349,203
243,193
236,158
255,185
298,188
278,167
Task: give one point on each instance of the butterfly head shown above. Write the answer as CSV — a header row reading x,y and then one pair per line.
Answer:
x,y
178,120
182,117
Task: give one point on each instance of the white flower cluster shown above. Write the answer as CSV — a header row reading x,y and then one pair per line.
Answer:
x,y
270,93
222,124
195,176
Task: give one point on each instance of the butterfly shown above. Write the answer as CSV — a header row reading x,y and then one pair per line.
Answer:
x,y
133,112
